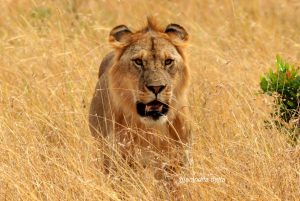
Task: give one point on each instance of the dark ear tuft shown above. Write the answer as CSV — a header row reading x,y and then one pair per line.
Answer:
x,y
178,31
118,34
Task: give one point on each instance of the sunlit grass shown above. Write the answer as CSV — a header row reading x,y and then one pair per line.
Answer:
x,y
50,54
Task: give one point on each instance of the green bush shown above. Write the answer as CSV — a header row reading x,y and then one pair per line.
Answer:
x,y
284,85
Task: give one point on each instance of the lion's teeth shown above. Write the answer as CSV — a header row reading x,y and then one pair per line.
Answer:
x,y
160,108
147,108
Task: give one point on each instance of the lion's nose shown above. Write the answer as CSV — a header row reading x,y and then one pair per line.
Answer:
x,y
156,89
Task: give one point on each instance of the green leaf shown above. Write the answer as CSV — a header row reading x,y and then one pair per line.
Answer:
x,y
264,84
290,103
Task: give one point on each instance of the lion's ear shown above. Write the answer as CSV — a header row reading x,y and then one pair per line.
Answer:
x,y
177,32
119,35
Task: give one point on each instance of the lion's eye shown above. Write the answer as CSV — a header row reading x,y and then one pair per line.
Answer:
x,y
138,62
169,62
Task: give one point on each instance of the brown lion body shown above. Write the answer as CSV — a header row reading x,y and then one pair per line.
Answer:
x,y
141,95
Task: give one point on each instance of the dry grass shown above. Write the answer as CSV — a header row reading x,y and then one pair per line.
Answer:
x,y
50,53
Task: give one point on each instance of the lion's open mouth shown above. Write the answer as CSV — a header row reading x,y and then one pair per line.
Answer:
x,y
154,109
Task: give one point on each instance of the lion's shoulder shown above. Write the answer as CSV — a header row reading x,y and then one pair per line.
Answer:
x,y
106,63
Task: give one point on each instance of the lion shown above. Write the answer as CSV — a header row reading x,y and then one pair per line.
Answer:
x,y
140,98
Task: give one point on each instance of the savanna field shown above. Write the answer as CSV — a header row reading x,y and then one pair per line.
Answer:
x,y
50,53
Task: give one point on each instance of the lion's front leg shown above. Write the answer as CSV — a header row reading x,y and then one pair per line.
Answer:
x,y
118,148
177,158
180,132
126,146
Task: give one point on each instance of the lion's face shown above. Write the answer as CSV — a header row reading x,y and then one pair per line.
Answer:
x,y
151,73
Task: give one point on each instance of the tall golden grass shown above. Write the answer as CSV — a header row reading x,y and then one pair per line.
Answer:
x,y
50,53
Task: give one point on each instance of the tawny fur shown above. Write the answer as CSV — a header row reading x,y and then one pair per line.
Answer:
x,y
113,109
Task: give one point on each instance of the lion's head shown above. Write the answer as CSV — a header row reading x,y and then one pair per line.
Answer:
x,y
149,77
